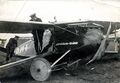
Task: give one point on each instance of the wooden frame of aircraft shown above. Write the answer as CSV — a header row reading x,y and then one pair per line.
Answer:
x,y
59,45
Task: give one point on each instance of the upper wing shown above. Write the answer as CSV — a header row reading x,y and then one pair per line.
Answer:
x,y
26,27
21,27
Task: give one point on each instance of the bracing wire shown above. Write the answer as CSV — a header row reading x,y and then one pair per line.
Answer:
x,y
20,9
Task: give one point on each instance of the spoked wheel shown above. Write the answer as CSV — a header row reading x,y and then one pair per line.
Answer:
x,y
40,69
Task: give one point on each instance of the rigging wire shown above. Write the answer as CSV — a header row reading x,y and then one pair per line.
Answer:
x,y
21,9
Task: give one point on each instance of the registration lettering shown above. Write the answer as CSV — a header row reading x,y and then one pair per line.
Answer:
x,y
22,49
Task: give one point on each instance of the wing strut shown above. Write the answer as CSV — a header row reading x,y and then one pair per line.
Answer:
x,y
60,58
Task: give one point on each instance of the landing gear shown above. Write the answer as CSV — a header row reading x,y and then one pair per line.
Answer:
x,y
40,69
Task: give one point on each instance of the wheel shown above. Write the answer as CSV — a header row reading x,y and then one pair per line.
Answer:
x,y
40,69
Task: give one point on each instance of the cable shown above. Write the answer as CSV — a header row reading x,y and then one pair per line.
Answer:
x,y
21,9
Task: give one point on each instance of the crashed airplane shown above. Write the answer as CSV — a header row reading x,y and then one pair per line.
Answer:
x,y
56,45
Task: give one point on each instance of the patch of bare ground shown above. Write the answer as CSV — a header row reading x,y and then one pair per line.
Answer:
x,y
106,70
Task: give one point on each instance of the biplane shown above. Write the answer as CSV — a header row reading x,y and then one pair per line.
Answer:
x,y
56,45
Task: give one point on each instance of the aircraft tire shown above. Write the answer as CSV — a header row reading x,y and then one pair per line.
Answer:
x,y
40,69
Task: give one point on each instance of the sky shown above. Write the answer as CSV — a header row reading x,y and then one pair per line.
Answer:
x,y
64,10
